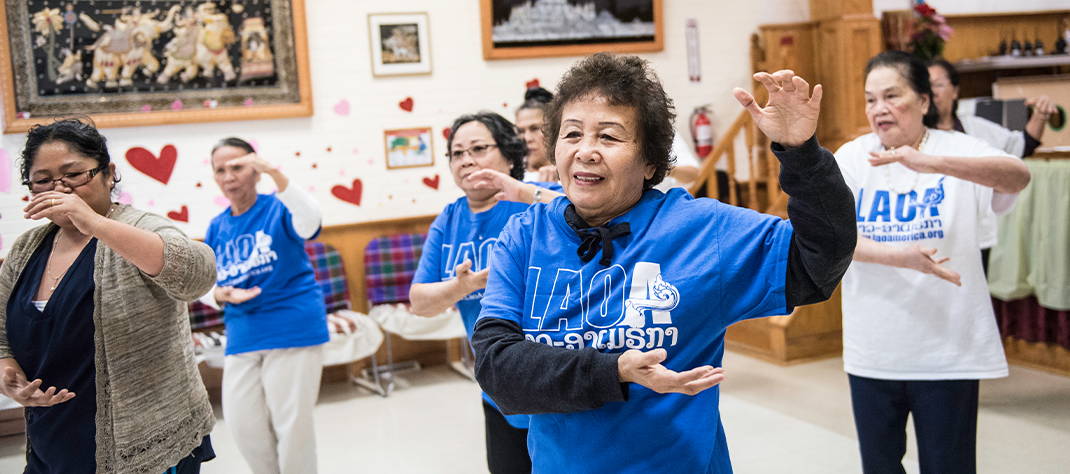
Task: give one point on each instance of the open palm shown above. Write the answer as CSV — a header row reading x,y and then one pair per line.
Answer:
x,y
790,116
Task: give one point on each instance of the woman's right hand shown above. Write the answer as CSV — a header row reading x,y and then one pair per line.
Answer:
x,y
916,257
229,294
644,368
468,280
29,394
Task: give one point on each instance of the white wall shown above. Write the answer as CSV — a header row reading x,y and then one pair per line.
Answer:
x,y
461,82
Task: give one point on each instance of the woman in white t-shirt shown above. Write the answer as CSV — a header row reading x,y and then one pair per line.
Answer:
x,y
918,327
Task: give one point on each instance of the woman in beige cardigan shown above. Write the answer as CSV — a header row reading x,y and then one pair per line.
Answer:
x,y
94,303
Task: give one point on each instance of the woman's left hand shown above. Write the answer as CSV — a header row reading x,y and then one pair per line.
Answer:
x,y
907,156
57,206
790,116
29,394
511,189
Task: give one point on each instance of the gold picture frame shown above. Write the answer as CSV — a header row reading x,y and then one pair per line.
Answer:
x,y
280,88
409,148
643,37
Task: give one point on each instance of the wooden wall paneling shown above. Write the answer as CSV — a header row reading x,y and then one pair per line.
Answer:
x,y
350,240
1050,358
834,9
809,333
976,36
843,48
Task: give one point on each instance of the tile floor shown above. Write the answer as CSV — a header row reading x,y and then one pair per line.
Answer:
x,y
778,419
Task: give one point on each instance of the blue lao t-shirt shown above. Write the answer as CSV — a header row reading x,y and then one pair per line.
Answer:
x,y
260,248
458,235
688,270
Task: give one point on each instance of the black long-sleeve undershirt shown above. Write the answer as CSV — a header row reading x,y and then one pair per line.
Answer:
x,y
523,376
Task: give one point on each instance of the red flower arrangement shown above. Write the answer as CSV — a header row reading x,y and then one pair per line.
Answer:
x,y
930,32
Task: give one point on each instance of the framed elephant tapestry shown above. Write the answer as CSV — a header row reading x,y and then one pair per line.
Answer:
x,y
135,63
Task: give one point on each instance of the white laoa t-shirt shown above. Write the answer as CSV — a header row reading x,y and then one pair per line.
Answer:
x,y
902,324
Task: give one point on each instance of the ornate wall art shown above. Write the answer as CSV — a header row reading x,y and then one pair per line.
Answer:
x,y
541,28
131,63
409,148
400,44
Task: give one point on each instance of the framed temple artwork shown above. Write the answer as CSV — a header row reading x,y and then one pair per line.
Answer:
x,y
400,44
408,148
515,29
130,63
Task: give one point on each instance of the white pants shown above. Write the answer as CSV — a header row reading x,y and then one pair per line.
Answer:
x,y
268,397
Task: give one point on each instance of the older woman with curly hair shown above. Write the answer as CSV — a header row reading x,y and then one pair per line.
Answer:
x,y
616,358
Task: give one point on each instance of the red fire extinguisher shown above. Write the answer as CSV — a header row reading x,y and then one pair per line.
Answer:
x,y
701,132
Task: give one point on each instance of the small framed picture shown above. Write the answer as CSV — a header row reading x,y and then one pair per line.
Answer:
x,y
409,148
400,44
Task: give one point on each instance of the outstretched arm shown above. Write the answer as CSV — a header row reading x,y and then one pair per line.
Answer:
x,y
914,257
820,205
1004,174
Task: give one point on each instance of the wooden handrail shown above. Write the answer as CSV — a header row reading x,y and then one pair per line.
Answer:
x,y
726,147
753,139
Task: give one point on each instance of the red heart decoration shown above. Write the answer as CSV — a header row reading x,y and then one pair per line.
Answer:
x,y
156,168
431,183
26,198
406,104
532,83
350,195
446,133
182,216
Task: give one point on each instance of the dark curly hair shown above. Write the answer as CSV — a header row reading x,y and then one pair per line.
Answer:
x,y
620,80
916,73
503,131
81,137
536,98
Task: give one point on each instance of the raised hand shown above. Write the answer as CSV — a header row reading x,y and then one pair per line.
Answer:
x,y
644,368
548,174
916,257
29,394
790,116
254,160
469,280
59,207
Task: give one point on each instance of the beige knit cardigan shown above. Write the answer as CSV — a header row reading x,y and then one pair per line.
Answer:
x,y
152,409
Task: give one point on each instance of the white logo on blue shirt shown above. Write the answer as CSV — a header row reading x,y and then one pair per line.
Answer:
x,y
607,318
244,256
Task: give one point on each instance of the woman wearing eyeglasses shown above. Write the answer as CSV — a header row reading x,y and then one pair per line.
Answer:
x,y
94,332
487,163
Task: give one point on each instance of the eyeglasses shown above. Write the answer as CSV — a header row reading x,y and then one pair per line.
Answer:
x,y
941,85
70,180
477,151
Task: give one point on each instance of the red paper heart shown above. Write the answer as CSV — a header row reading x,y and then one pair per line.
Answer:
x,y
156,168
350,195
532,83
406,104
431,183
182,216
26,198
446,133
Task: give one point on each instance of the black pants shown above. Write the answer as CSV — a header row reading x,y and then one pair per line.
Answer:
x,y
507,447
945,424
